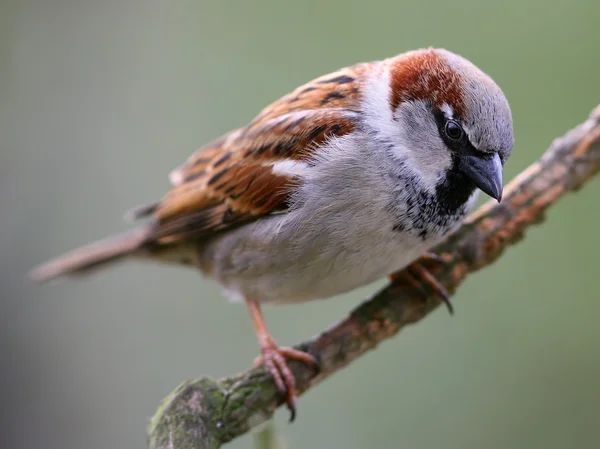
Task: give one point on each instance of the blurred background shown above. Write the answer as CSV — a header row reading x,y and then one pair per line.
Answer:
x,y
100,100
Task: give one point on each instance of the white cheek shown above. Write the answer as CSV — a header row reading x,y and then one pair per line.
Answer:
x,y
410,132
419,143
431,167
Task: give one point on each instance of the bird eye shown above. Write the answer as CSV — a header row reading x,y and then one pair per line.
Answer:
x,y
453,130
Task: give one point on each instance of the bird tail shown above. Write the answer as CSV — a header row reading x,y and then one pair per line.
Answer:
x,y
90,257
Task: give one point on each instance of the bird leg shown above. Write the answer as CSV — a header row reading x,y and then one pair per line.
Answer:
x,y
418,275
274,358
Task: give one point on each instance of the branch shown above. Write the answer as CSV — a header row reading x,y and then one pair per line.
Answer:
x,y
205,413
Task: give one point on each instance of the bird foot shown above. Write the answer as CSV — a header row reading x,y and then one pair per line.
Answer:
x,y
418,274
274,358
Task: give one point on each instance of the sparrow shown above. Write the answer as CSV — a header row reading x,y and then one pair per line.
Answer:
x,y
347,179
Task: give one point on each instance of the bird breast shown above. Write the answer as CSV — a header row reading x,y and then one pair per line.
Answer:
x,y
351,223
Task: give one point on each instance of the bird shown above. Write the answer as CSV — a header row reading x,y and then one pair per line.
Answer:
x,y
347,179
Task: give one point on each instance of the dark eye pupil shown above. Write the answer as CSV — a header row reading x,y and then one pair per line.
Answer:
x,y
453,130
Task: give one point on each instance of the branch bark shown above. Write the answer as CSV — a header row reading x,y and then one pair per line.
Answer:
x,y
205,413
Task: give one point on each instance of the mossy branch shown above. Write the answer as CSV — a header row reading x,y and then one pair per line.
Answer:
x,y
205,413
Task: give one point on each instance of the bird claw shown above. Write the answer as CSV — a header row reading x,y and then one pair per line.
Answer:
x,y
274,360
419,275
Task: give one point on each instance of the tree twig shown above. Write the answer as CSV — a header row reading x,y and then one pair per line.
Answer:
x,y
205,413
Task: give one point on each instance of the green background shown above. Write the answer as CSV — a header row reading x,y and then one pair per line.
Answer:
x,y
99,100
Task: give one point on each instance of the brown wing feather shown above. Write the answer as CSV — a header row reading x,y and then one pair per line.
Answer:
x,y
337,90
231,180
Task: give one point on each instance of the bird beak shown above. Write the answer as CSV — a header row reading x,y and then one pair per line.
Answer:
x,y
486,173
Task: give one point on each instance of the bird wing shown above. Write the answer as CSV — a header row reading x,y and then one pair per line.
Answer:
x,y
233,179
